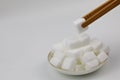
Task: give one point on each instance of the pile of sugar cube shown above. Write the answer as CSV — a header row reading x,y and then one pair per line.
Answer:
x,y
79,53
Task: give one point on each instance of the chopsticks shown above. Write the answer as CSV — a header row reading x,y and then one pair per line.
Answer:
x,y
99,11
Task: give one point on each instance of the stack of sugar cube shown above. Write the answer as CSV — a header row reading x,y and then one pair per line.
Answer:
x,y
79,53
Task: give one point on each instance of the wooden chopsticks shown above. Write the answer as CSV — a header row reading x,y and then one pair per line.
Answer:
x,y
99,11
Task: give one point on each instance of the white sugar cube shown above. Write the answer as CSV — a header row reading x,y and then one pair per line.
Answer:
x,y
77,42
74,52
78,24
79,68
97,45
87,48
72,44
57,59
79,51
58,47
91,64
88,56
102,56
59,54
69,63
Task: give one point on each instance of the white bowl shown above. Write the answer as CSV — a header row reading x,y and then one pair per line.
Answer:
x,y
50,55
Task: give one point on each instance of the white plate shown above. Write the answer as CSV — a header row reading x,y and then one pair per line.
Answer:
x,y
72,72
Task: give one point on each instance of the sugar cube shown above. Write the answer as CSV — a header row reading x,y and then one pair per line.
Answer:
x,y
59,47
102,56
96,44
87,48
78,24
88,56
78,42
74,52
69,63
79,67
91,64
57,58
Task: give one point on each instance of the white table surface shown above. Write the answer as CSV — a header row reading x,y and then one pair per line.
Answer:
x,y
28,29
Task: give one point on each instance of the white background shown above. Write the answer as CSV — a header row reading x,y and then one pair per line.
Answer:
x,y
28,29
